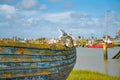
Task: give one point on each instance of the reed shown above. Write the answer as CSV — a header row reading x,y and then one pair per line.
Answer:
x,y
89,75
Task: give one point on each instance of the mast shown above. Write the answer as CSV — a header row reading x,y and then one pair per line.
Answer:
x,y
106,24
105,46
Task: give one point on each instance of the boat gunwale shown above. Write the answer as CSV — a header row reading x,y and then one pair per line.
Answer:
x,y
54,49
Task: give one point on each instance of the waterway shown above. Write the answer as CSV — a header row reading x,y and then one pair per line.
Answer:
x,y
92,59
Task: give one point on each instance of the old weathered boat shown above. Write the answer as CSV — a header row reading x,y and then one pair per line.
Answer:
x,y
30,61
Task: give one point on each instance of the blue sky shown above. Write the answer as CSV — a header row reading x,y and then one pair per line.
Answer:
x,y
43,18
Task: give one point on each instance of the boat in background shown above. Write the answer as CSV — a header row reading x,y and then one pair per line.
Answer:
x,y
100,45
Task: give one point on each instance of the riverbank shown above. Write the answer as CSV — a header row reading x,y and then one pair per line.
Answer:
x,y
89,75
93,60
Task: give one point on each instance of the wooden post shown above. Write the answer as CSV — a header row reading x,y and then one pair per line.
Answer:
x,y
105,51
106,66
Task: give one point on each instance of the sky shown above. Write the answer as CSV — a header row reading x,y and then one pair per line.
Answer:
x,y
43,18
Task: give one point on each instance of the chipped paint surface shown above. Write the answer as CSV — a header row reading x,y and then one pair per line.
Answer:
x,y
39,64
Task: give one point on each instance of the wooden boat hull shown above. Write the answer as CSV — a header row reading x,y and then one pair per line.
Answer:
x,y
17,63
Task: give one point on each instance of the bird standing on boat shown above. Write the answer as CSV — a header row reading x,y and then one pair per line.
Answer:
x,y
63,34
66,37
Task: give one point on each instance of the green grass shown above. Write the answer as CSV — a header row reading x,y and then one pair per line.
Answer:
x,y
89,75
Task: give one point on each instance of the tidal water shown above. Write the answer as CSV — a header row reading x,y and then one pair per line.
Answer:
x,y
93,60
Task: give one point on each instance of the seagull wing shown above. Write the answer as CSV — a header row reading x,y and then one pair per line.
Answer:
x,y
63,33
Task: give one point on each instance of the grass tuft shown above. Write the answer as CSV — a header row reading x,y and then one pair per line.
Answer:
x,y
89,75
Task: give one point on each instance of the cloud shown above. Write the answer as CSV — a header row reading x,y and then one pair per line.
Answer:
x,y
7,12
57,17
30,5
34,23
2,24
7,1
43,7
25,4
7,9
80,15
113,19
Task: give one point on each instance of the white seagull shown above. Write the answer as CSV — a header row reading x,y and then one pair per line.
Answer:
x,y
63,34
